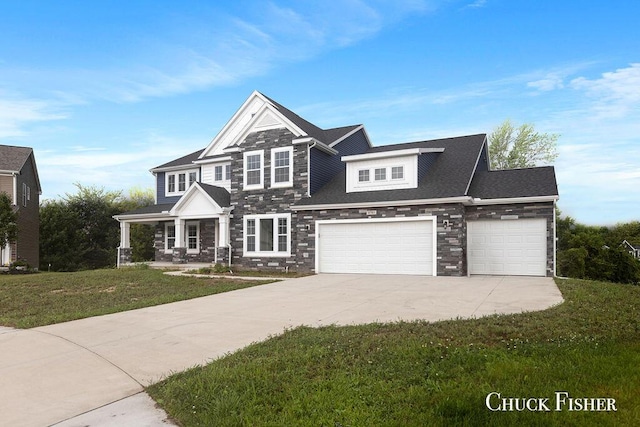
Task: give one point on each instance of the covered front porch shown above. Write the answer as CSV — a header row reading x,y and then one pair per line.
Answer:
x,y
194,230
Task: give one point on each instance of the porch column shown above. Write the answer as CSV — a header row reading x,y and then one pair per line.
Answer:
x,y
125,234
223,237
179,250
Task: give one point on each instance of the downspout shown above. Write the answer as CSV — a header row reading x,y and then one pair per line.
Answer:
x,y
309,147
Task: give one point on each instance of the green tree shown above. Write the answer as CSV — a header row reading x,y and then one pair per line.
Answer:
x,y
521,147
141,235
8,222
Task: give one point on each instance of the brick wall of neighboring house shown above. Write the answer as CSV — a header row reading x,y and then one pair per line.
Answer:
x,y
28,242
267,200
529,210
450,255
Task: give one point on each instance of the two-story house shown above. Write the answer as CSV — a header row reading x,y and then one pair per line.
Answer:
x,y
19,180
274,191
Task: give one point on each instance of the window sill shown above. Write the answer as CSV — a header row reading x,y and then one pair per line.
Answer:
x,y
282,184
253,187
267,255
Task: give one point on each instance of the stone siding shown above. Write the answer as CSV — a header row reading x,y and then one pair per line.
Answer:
x,y
450,255
207,243
528,210
267,200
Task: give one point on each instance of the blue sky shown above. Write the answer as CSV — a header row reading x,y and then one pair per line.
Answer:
x,y
104,90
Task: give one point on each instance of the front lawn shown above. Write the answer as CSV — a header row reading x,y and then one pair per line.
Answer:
x,y
406,374
27,301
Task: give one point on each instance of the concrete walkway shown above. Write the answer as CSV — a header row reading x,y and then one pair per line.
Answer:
x,y
59,372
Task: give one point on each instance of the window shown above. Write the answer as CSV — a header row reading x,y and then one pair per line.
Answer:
x,y
222,173
397,172
169,237
227,172
218,173
267,235
381,174
178,182
24,194
253,172
193,234
281,170
363,175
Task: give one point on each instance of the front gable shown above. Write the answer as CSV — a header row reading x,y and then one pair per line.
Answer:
x,y
257,114
196,203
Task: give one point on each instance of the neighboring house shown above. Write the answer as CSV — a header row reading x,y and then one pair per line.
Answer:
x,y
634,250
273,191
19,179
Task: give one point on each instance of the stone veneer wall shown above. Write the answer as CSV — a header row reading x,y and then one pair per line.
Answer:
x,y
207,245
528,210
267,200
450,256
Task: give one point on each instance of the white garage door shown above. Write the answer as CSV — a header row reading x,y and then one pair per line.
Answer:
x,y
376,246
510,247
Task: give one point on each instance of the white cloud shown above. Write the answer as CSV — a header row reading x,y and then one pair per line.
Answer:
x,y
550,82
17,113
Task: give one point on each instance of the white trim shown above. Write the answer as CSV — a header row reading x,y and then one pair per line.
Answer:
x,y
289,182
176,174
314,143
534,199
386,203
266,254
246,186
186,237
434,233
166,248
347,135
475,167
391,153
212,160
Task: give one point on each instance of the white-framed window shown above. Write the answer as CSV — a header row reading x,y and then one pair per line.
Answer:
x,y
193,237
380,174
363,175
169,237
282,167
397,172
222,174
24,194
253,170
178,182
267,235
227,172
217,174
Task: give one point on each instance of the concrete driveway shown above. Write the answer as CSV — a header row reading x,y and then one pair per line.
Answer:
x,y
54,373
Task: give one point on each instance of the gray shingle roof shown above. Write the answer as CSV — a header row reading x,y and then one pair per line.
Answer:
x,y
13,158
449,175
528,182
182,161
219,194
153,209
326,136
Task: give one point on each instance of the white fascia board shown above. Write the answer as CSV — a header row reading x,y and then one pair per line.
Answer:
x,y
173,168
151,217
392,153
316,144
384,204
7,172
212,160
475,167
504,201
347,135
186,196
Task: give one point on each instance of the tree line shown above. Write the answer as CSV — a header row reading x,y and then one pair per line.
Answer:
x,y
78,232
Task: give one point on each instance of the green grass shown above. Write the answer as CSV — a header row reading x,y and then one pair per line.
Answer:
x,y
436,374
27,301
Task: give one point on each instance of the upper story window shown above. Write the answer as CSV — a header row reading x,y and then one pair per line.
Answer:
x,y
397,172
178,182
381,174
281,170
253,171
363,175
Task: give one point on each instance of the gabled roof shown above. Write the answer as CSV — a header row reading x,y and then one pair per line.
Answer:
x,y
182,161
511,183
147,210
219,194
449,176
326,136
13,159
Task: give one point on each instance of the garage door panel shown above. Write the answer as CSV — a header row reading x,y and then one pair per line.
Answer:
x,y
392,247
510,247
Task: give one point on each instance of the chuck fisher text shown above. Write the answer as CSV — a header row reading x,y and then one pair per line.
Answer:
x,y
560,402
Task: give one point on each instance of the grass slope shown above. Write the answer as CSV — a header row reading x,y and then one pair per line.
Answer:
x,y
27,301
406,374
